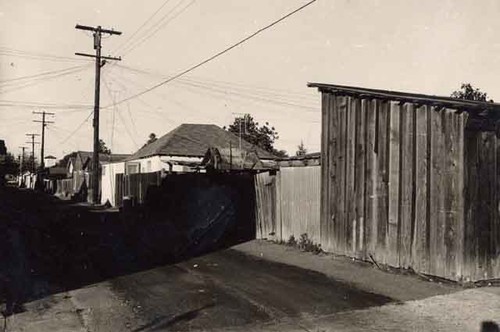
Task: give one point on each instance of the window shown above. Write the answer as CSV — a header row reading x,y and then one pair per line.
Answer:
x,y
133,168
148,166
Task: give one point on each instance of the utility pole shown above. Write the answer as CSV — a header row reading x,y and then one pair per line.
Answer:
x,y
21,162
33,168
99,62
44,124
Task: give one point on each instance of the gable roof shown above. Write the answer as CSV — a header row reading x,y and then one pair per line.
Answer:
x,y
193,140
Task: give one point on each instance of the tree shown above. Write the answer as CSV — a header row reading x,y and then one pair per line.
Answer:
x,y
151,139
468,92
301,149
263,136
103,148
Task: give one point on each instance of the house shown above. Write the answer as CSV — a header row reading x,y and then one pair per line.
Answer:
x,y
79,169
50,161
181,150
411,181
234,159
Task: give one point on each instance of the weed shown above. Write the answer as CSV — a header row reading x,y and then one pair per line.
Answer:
x,y
292,242
306,244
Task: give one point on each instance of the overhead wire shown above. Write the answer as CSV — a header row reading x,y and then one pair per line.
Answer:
x,y
141,26
232,85
164,22
215,56
77,128
120,115
21,85
162,114
6,51
3,82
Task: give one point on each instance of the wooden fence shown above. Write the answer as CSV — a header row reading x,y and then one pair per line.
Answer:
x,y
288,203
410,185
135,185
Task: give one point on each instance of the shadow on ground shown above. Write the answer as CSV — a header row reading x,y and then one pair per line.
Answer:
x,y
49,245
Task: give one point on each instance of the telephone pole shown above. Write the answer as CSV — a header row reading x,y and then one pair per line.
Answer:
x,y
21,162
44,124
33,168
99,62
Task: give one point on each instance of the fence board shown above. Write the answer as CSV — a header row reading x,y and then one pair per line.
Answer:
x,y
438,191
326,143
360,170
419,241
382,180
340,194
393,228
370,179
350,204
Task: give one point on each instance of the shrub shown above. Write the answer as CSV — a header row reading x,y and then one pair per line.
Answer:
x,y
306,244
292,242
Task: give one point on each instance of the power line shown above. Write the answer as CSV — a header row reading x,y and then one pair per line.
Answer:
x,y
76,129
271,92
165,23
21,85
39,74
33,104
142,25
5,51
213,57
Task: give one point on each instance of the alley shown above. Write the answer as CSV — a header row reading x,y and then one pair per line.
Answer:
x,y
70,267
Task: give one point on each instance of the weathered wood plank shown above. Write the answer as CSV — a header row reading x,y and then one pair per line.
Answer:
x,y
392,239
471,202
382,180
340,219
438,191
360,177
334,174
453,204
420,234
325,167
496,218
370,179
460,198
487,205
350,204
407,184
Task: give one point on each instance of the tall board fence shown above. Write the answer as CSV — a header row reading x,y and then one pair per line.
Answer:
x,y
410,184
288,203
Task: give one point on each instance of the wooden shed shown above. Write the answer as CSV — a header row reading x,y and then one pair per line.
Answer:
x,y
411,181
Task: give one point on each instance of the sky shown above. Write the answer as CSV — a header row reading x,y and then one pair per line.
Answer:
x,y
421,46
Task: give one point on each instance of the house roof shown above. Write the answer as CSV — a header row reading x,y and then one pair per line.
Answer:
x,y
193,140
50,157
462,104
84,155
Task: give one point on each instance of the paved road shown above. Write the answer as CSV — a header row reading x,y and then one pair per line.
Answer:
x,y
229,288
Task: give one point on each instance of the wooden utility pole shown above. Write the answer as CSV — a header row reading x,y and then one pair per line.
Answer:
x,y
99,62
21,162
33,168
44,124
